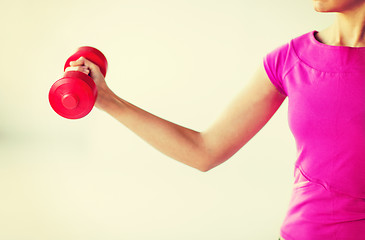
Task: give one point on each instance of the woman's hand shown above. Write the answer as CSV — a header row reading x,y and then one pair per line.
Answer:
x,y
85,66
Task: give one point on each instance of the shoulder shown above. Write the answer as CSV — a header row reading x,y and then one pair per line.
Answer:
x,y
279,62
293,46
287,55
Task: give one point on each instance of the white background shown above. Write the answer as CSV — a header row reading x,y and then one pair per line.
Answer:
x,y
181,60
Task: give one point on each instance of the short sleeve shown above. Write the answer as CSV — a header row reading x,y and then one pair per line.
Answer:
x,y
274,64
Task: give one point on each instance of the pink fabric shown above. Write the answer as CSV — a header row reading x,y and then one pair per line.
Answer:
x,y
325,86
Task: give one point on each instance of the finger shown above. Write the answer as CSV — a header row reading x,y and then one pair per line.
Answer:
x,y
83,61
78,69
78,62
83,69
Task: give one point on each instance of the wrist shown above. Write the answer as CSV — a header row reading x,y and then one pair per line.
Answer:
x,y
105,99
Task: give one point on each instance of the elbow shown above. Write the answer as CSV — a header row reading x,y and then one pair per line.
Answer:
x,y
203,168
206,158
210,161
207,163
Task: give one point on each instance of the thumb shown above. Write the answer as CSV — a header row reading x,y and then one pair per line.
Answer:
x,y
78,62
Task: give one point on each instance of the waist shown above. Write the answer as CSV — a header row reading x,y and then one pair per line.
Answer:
x,y
343,173
321,213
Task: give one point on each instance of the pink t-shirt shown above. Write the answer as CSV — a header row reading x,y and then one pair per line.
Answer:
x,y
325,86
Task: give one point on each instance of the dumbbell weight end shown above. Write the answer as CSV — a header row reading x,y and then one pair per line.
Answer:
x,y
74,95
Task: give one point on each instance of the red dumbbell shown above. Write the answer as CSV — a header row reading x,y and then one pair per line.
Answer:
x,y
74,95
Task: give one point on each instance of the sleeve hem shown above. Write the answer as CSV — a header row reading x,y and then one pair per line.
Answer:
x,y
272,78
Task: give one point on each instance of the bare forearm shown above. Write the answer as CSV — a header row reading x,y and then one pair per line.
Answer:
x,y
180,143
243,118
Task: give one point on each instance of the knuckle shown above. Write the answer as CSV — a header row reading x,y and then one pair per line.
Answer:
x,y
68,69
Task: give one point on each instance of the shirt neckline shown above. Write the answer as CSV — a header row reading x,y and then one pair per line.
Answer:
x,y
328,58
320,44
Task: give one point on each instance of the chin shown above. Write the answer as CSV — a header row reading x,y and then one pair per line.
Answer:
x,y
322,6
336,5
332,5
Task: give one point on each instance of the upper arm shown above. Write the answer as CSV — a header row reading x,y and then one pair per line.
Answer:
x,y
250,110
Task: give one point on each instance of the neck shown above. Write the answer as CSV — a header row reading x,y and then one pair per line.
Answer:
x,y
348,29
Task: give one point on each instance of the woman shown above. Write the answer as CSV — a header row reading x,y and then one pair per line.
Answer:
x,y
323,75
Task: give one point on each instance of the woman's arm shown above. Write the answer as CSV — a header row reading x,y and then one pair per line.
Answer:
x,y
243,118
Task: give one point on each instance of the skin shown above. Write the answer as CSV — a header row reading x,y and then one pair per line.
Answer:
x,y
244,117
349,26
